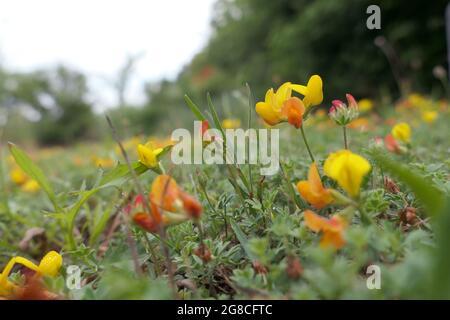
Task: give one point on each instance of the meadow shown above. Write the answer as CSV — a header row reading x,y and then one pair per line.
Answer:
x,y
360,216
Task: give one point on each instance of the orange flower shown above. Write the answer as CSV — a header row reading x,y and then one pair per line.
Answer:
x,y
391,144
166,194
313,191
293,109
332,229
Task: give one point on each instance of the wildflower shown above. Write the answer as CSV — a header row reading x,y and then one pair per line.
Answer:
x,y
348,169
343,114
166,194
429,116
48,266
231,123
18,176
391,144
313,91
332,229
280,106
148,154
270,109
31,186
365,105
313,191
402,132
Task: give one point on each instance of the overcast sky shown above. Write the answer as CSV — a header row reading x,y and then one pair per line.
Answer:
x,y
95,37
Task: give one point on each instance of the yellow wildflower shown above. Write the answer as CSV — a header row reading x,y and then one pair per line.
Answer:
x,y
31,186
348,169
365,105
148,154
429,116
18,176
49,266
231,123
402,132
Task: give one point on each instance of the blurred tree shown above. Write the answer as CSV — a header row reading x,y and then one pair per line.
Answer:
x,y
267,42
60,98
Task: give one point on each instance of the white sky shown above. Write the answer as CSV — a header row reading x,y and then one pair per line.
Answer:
x,y
96,36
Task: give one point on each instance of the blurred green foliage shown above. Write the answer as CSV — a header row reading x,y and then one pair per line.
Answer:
x,y
262,42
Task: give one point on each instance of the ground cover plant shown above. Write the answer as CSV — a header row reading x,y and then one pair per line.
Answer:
x,y
362,190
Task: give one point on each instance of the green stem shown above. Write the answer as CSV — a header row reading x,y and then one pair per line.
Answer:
x,y
306,144
344,128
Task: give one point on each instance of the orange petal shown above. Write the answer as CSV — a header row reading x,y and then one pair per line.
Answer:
x,y
145,221
294,109
192,207
332,239
314,221
164,192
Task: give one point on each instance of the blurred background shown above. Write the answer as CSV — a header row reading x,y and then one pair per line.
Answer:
x,y
63,64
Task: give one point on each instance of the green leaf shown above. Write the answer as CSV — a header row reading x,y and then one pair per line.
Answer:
x,y
195,110
33,171
424,189
120,174
214,115
242,240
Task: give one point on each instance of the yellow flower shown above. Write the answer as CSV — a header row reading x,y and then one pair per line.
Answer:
x,y
148,155
348,169
280,106
313,191
31,186
365,105
402,132
231,123
313,91
18,176
270,109
429,116
49,266
332,229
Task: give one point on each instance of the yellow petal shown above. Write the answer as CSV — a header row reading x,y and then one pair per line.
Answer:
x,y
147,156
348,169
50,264
402,132
269,115
314,94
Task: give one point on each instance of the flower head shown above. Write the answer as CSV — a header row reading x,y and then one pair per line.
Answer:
x,y
313,191
343,114
365,105
392,144
332,229
348,169
166,194
49,266
429,116
18,176
270,109
148,154
402,132
280,106
231,123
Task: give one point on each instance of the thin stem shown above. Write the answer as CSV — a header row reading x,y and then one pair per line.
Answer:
x,y
344,129
306,144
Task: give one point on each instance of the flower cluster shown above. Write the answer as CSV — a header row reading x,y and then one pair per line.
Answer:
x,y
343,113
